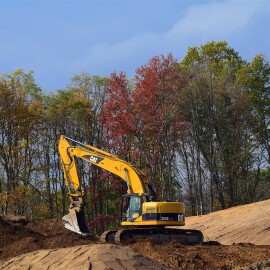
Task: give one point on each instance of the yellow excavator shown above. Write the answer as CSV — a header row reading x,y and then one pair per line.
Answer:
x,y
142,216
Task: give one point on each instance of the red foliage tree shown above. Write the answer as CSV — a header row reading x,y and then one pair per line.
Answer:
x,y
156,104
145,121
156,99
116,116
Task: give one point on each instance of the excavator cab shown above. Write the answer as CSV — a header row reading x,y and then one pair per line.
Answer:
x,y
132,206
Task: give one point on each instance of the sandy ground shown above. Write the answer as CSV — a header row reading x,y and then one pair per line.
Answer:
x,y
101,257
236,238
242,224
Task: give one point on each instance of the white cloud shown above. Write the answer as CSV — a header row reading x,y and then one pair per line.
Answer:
x,y
201,23
216,17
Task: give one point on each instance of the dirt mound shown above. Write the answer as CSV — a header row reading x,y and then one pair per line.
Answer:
x,y
248,223
47,227
209,256
16,239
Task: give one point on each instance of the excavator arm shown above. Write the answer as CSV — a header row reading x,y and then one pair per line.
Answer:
x,y
71,150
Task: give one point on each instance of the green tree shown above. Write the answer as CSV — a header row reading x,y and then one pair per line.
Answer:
x,y
215,103
256,79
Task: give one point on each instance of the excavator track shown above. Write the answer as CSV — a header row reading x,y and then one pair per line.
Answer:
x,y
189,237
108,236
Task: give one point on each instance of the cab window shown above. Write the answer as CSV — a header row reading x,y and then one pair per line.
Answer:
x,y
131,208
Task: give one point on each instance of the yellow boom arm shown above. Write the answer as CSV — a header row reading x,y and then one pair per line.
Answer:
x,y
68,153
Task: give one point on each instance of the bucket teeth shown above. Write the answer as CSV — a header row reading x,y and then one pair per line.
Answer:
x,y
75,220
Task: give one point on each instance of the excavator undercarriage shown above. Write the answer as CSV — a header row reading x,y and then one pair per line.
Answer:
x,y
188,237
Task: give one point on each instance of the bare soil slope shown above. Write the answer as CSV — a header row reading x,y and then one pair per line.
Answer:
x,y
52,247
248,223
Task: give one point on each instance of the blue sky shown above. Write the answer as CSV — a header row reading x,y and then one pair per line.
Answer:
x,y
60,38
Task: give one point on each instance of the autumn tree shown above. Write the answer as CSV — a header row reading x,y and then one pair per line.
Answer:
x,y
160,122
143,120
98,183
20,112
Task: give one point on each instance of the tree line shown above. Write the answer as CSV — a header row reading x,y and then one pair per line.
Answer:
x,y
199,128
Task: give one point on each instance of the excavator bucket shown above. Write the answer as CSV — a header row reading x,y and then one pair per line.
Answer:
x,y
75,220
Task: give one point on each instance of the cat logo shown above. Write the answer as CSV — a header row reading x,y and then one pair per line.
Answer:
x,y
181,217
93,159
